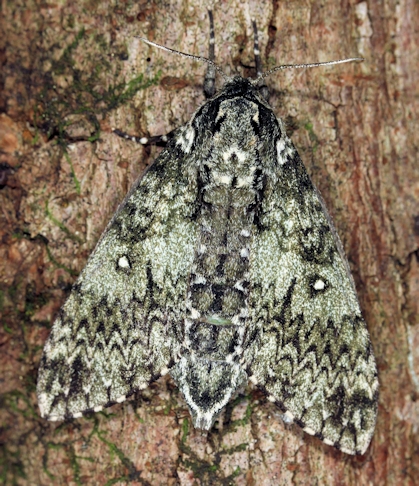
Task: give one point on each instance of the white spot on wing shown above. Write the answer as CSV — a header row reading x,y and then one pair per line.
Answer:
x,y
309,430
319,285
164,371
121,399
77,415
123,262
98,408
253,379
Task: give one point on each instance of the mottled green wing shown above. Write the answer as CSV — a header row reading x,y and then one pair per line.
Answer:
x,y
117,331
314,357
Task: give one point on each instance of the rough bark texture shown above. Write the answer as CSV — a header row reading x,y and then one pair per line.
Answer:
x,y
71,72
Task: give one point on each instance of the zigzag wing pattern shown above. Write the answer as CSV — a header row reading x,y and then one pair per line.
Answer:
x,y
314,357
121,326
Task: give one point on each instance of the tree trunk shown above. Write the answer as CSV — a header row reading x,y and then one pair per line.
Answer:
x,y
71,71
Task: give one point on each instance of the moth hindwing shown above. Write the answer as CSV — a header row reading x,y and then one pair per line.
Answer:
x,y
221,266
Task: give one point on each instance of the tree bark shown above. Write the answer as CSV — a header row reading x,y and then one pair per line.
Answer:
x,y
71,71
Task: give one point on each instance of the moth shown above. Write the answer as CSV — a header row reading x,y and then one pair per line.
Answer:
x,y
220,266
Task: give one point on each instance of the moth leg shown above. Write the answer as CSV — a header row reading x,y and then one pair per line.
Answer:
x,y
263,89
209,81
159,140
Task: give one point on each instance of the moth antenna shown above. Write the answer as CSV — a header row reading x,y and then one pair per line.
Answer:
x,y
308,65
184,54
